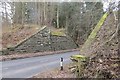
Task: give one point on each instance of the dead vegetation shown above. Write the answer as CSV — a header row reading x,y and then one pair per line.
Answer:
x,y
104,60
13,35
56,73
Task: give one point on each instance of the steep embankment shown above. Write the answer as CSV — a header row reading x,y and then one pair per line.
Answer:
x,y
43,41
104,59
13,35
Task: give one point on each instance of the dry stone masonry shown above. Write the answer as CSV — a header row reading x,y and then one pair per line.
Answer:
x,y
43,41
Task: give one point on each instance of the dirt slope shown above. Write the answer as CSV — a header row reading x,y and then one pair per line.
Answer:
x,y
13,35
104,61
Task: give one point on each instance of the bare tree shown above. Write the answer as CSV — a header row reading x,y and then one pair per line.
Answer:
x,y
58,15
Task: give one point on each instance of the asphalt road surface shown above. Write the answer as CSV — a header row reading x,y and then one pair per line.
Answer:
x,y
26,68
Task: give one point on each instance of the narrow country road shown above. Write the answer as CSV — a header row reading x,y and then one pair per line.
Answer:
x,y
26,68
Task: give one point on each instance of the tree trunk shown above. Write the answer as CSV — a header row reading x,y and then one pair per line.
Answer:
x,y
22,13
58,16
44,14
66,24
6,15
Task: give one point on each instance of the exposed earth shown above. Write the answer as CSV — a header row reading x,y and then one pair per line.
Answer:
x,y
104,61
